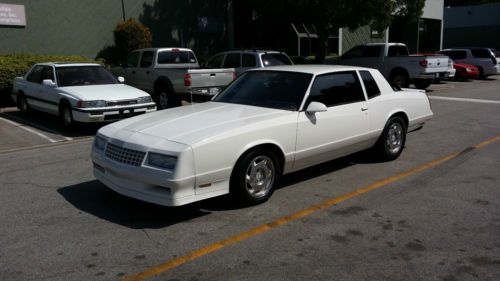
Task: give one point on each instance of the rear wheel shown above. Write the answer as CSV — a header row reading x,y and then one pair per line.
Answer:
x,y
22,104
392,141
255,176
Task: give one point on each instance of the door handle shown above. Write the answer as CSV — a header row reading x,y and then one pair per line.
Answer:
x,y
364,108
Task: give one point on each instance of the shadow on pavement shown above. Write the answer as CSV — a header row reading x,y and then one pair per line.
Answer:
x,y
96,199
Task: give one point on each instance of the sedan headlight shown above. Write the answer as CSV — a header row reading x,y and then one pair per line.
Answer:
x,y
91,103
145,99
99,143
162,161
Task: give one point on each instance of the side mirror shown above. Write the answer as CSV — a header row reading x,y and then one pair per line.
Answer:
x,y
48,83
314,107
121,79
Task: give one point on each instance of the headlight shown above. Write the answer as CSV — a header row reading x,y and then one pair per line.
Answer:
x,y
161,161
91,103
99,143
145,99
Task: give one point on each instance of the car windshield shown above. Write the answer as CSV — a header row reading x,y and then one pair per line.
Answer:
x,y
272,89
68,76
275,59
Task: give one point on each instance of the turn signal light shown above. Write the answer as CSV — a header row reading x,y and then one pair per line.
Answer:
x,y
423,63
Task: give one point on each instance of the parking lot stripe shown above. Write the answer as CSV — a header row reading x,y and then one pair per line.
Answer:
x,y
463,99
33,125
156,270
28,129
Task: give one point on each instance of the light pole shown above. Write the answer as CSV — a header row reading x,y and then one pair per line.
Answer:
x,y
123,10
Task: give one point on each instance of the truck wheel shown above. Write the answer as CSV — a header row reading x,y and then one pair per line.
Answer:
x,y
165,98
422,84
22,104
399,79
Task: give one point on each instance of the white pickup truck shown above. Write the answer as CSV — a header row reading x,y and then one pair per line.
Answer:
x,y
397,65
170,75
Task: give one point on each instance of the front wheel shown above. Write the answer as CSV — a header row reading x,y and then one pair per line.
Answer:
x,y
255,176
392,141
22,104
66,116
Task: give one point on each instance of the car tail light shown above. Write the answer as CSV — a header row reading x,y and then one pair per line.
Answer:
x,y
423,63
187,80
234,75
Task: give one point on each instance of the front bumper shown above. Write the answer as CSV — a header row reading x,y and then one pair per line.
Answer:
x,y
103,114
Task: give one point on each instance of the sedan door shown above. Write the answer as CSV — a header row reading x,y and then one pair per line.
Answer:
x,y
342,129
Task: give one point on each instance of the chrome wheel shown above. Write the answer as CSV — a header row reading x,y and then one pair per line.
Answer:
x,y
259,176
394,140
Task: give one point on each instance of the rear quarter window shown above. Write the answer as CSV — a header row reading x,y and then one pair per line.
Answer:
x,y
371,86
481,53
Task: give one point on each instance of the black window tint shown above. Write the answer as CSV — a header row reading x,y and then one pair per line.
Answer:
x,y
371,86
396,51
132,59
173,57
481,53
232,60
147,59
455,55
336,89
275,59
215,62
35,74
248,60
363,52
47,74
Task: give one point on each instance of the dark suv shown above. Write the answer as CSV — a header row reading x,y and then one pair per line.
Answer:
x,y
487,60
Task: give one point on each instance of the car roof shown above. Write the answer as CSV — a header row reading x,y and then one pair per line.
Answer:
x,y
65,63
315,69
258,51
165,49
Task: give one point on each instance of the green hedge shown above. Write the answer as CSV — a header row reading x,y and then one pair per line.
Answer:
x,y
18,64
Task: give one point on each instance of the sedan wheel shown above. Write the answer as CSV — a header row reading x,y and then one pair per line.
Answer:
x,y
66,116
255,176
392,141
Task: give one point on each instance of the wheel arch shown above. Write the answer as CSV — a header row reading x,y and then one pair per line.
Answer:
x,y
399,69
160,82
266,145
401,113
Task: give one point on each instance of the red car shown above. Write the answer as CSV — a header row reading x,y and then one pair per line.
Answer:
x,y
465,71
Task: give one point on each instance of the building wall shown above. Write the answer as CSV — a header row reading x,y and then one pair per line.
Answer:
x,y
477,25
362,35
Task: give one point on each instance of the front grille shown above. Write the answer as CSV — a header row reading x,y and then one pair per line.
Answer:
x,y
124,155
119,116
121,102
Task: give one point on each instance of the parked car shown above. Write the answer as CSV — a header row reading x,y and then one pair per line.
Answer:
x,y
245,59
268,122
171,75
486,60
397,65
81,92
465,71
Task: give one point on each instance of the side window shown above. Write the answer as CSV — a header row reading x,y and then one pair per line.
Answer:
x,y
336,89
47,74
132,59
248,60
147,58
396,51
480,53
35,75
215,62
232,60
371,86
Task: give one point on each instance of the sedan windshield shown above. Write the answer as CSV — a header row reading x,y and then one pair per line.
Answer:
x,y
273,89
83,76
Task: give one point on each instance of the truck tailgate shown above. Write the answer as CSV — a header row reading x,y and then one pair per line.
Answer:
x,y
209,81
436,64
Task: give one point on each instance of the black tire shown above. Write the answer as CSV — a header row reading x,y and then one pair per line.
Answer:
x,y
392,141
399,79
22,104
481,73
422,84
266,170
66,115
165,97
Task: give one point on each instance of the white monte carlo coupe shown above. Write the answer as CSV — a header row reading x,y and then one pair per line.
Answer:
x,y
268,122
82,92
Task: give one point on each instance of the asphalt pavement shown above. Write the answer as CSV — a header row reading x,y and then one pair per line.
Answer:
x,y
433,214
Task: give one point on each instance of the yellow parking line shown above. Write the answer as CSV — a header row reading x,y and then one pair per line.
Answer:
x,y
156,270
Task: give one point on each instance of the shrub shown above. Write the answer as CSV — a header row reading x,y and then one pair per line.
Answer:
x,y
130,35
18,64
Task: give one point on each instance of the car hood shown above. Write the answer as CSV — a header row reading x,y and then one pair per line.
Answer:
x,y
104,92
192,123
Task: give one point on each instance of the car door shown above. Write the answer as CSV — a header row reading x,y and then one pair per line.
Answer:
x,y
233,60
144,73
33,86
130,68
48,94
342,129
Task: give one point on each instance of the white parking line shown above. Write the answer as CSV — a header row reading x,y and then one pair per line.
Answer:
x,y
463,99
33,131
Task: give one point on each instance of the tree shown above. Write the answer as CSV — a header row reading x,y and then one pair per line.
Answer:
x,y
130,35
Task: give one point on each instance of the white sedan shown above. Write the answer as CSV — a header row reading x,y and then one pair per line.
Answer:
x,y
268,122
82,92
